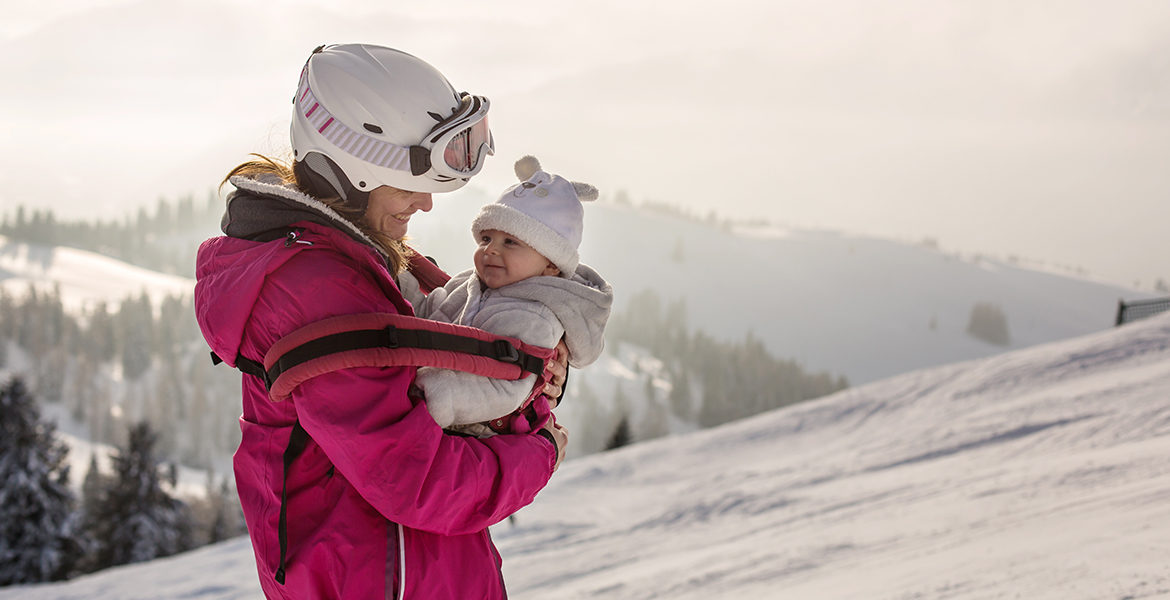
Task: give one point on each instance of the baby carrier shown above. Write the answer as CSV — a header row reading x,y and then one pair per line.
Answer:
x,y
386,340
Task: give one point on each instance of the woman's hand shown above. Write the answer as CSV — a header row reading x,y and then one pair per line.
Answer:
x,y
557,369
560,438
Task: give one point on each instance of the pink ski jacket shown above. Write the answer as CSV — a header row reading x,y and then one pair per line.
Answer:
x,y
381,503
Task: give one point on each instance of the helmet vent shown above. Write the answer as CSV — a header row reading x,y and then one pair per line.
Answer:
x,y
372,128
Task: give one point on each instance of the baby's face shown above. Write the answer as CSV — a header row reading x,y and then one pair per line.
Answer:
x,y
501,259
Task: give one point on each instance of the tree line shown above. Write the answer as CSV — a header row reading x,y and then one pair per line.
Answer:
x,y
128,515
164,239
111,366
713,381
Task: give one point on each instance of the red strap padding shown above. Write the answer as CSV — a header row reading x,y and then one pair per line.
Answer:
x,y
289,379
427,273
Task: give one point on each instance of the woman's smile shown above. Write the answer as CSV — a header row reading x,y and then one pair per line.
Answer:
x,y
390,209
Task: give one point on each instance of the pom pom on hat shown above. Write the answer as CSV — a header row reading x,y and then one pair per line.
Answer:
x,y
526,167
544,211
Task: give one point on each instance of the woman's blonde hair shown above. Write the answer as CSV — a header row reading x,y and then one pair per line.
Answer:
x,y
396,252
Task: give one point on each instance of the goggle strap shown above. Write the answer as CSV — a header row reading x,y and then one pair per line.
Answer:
x,y
420,160
467,105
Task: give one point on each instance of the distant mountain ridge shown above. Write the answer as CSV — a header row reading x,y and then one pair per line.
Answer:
x,y
856,307
863,307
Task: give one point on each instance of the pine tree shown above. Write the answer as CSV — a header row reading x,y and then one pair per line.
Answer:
x,y
93,486
136,520
621,435
39,532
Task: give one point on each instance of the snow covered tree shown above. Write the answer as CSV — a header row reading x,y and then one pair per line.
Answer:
x,y
136,520
39,531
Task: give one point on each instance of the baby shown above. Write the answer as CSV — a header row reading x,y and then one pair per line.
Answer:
x,y
528,284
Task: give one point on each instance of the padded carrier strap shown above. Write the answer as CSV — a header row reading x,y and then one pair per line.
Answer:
x,y
388,339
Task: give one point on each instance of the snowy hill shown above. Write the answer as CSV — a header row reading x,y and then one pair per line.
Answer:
x,y
1039,473
84,278
863,307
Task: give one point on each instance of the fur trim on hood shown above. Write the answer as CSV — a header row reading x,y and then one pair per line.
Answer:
x,y
263,204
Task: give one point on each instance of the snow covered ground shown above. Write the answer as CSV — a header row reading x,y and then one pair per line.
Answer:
x,y
1040,473
83,278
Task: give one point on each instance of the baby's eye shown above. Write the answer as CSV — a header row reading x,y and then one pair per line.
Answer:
x,y
510,241
484,239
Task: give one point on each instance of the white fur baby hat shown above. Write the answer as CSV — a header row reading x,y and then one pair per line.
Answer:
x,y
543,211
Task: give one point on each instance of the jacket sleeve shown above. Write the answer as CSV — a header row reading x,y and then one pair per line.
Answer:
x,y
386,445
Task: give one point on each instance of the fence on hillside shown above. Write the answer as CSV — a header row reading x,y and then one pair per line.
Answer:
x,y
1140,309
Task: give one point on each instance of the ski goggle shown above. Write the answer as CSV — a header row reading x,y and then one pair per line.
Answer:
x,y
455,148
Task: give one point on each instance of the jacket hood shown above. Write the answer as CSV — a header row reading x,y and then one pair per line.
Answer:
x,y
581,303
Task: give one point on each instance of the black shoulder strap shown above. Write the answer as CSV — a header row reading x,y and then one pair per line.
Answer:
x,y
297,441
296,445
246,365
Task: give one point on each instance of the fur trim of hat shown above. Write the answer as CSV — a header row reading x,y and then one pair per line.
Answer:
x,y
543,211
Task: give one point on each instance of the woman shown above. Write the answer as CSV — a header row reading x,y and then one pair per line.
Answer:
x,y
350,489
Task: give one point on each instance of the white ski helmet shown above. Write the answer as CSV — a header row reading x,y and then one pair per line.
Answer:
x,y
366,116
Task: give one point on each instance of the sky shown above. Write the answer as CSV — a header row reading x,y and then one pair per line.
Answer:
x,y
1009,128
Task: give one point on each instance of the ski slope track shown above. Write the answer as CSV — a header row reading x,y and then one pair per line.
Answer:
x,y
1041,473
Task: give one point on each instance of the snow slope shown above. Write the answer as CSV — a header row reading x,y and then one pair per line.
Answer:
x,y
1039,473
84,278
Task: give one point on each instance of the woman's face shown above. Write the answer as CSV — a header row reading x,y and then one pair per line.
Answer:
x,y
390,209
